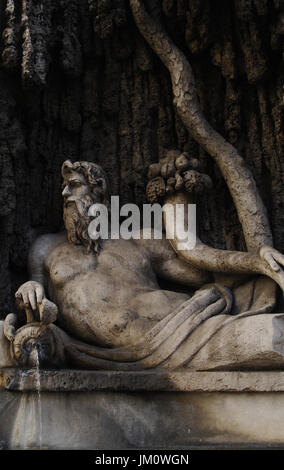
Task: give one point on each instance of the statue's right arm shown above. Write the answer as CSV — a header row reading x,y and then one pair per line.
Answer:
x,y
32,292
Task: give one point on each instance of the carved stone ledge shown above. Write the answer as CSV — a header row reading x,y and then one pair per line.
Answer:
x,y
131,410
179,381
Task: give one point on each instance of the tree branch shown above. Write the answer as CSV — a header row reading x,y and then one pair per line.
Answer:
x,y
251,210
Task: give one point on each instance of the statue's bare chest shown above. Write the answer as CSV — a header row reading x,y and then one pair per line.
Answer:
x,y
117,259
66,261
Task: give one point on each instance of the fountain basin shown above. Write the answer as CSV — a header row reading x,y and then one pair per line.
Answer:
x,y
129,410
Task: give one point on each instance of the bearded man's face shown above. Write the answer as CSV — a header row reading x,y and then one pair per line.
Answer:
x,y
78,197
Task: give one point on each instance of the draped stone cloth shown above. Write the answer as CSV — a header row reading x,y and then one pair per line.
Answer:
x,y
175,340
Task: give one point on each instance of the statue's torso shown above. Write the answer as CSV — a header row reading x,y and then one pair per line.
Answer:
x,y
108,299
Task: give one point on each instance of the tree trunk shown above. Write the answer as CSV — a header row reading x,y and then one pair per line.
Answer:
x,y
79,82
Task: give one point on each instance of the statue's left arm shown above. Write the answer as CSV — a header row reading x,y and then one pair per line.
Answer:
x,y
196,267
168,265
265,261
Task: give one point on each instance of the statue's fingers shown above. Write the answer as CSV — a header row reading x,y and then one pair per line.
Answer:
x,y
39,293
32,299
18,295
280,281
272,263
25,298
279,258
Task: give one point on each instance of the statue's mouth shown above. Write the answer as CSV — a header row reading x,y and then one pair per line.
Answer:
x,y
69,201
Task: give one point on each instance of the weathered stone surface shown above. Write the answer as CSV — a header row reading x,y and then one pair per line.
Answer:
x,y
14,379
235,346
151,420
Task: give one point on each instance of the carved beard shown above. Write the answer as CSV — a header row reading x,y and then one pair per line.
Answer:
x,y
76,221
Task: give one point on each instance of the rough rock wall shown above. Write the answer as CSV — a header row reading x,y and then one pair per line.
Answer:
x,y
78,81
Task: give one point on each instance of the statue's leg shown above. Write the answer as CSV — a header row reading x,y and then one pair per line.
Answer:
x,y
253,342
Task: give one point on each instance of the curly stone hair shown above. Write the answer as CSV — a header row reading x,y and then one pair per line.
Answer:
x,y
94,174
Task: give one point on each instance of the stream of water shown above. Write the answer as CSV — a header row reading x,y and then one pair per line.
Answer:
x,y
37,382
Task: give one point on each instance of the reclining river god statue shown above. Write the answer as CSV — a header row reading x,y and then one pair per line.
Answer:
x,y
97,304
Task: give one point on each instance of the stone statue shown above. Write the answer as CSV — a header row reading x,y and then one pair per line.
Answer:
x,y
109,309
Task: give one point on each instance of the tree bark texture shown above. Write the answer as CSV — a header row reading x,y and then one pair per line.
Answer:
x,y
78,81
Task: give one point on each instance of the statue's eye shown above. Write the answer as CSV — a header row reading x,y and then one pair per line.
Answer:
x,y
98,182
74,183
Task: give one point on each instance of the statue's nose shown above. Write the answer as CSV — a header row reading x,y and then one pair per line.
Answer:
x,y
66,191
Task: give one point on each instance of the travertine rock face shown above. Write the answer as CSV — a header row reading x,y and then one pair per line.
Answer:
x,y
79,81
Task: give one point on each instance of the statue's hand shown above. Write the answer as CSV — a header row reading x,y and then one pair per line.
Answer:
x,y
31,293
273,258
273,263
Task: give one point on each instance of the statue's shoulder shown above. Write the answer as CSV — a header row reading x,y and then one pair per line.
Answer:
x,y
44,244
